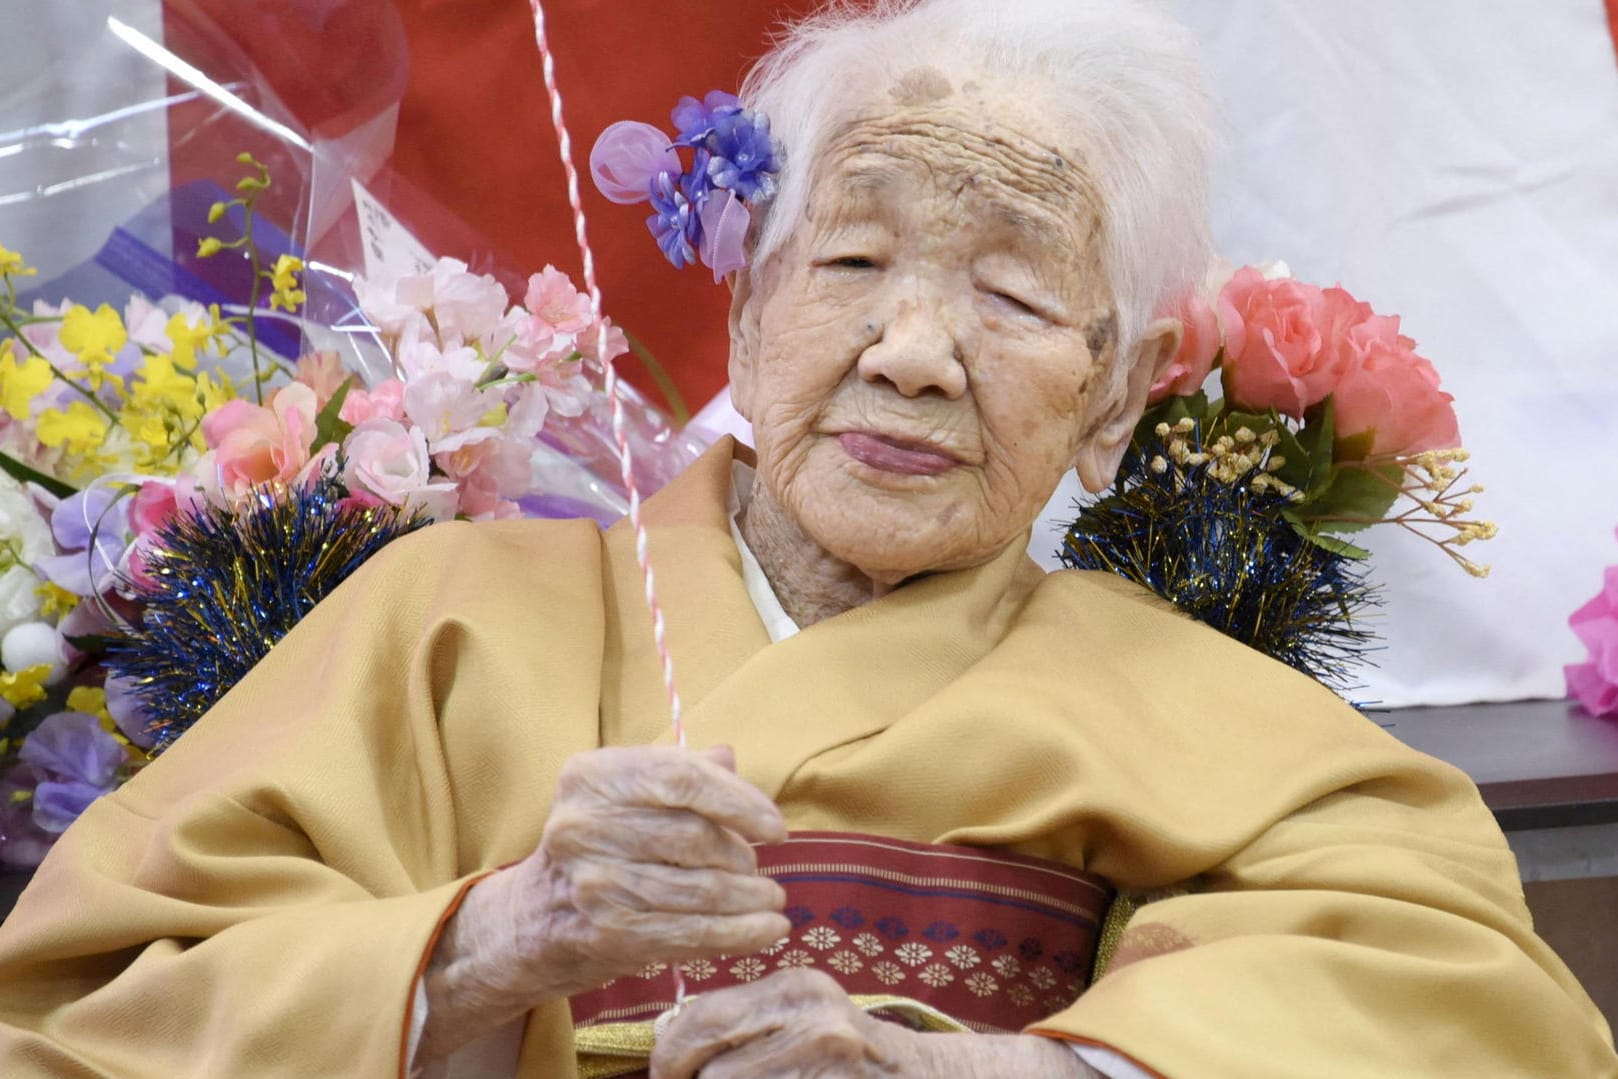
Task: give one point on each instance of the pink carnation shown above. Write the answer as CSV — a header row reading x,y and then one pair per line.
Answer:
x,y
1595,682
1388,401
1199,345
1281,341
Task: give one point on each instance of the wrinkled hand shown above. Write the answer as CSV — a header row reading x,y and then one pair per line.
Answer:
x,y
799,1024
645,857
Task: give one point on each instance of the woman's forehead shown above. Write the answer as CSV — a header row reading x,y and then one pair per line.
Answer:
x,y
982,147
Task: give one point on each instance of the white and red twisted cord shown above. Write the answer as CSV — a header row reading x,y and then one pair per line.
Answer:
x,y
642,554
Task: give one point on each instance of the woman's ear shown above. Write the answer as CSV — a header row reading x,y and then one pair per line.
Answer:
x,y
1103,449
744,319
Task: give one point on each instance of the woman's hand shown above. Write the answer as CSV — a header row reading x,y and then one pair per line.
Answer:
x,y
798,1024
645,858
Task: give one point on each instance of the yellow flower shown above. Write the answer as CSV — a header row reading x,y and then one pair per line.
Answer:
x,y
79,427
20,383
92,701
214,390
188,337
55,600
283,279
209,247
12,265
93,337
24,687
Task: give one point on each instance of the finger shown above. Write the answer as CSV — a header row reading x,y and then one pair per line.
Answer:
x,y
722,755
600,885
646,834
700,936
682,779
707,1027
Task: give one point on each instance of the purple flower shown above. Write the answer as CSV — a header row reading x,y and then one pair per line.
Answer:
x,y
743,155
695,120
95,516
722,243
77,763
990,939
628,157
941,932
799,915
1031,949
892,928
675,224
848,917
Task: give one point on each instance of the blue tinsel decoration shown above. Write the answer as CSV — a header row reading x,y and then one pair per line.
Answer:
x,y
230,583
1222,552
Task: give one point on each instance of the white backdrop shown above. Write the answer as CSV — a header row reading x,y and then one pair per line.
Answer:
x,y
1457,164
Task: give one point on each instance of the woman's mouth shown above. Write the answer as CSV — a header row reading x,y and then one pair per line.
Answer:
x,y
896,455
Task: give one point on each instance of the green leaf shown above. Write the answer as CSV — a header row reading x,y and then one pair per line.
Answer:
x,y
1357,497
92,644
1316,441
23,474
329,426
1333,544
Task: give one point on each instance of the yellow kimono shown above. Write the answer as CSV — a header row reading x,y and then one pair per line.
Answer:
x,y
259,901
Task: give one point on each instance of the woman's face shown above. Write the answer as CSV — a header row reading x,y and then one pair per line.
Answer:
x,y
929,353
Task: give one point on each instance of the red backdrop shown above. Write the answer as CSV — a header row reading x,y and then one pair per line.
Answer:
x,y
474,125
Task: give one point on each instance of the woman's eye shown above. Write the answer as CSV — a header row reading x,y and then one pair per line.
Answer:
x,y
1021,307
852,262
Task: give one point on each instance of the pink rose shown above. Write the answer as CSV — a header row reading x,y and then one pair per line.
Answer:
x,y
385,402
1389,401
386,459
253,445
1280,341
1595,682
1199,344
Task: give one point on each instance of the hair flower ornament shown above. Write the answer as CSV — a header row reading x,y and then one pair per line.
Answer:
x,y
700,212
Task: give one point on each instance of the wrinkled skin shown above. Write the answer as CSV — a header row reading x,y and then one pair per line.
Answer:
x,y
645,857
922,362
945,293
799,1024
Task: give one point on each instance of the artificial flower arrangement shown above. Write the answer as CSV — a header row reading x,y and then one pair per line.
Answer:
x,y
1594,683
174,496
700,211
1234,507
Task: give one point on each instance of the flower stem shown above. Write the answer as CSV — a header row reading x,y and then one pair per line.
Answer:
x,y
6,321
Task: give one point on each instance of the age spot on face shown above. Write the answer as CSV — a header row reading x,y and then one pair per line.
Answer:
x,y
1101,333
920,87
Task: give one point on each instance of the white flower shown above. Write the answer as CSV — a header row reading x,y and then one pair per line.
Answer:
x,y
775,948
34,644
845,962
963,956
888,973
937,975
821,938
868,944
19,597
1042,977
749,969
1006,966
652,970
981,984
797,957
698,970
913,954
1020,995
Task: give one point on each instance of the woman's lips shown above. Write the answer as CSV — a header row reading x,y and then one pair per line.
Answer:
x,y
895,455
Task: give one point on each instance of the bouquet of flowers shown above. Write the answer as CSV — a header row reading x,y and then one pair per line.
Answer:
x,y
1234,507
174,496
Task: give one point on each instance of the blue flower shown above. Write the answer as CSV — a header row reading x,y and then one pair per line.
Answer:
x,y
695,120
1031,949
893,928
848,917
743,155
941,932
675,223
1068,962
990,938
799,916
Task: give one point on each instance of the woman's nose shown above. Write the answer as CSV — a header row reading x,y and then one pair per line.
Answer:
x,y
916,353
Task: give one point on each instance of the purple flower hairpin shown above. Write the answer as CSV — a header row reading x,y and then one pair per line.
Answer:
x,y
700,213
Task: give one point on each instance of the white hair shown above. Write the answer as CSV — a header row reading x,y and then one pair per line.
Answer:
x,y
1122,78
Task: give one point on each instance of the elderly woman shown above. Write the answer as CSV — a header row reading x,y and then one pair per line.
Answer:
x,y
446,803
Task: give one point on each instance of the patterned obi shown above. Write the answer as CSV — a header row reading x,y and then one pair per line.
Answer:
x,y
938,937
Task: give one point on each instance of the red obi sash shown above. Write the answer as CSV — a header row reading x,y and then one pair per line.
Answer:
x,y
994,941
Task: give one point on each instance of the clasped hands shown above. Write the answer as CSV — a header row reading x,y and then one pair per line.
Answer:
x,y
647,857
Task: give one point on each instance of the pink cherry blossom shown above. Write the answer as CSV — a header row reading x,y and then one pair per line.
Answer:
x,y
322,372
384,401
465,306
444,406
